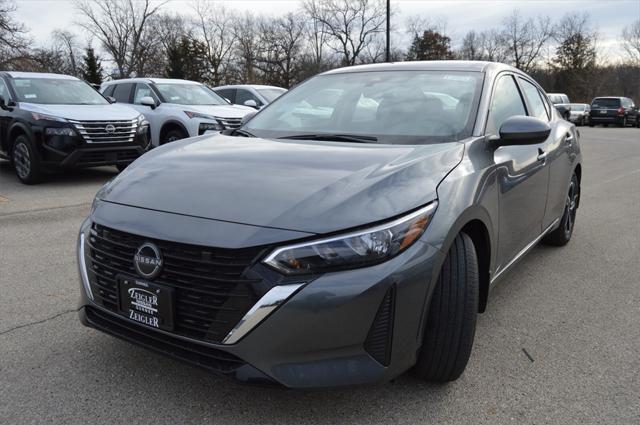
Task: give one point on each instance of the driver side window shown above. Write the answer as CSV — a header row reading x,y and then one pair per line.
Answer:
x,y
506,103
143,90
4,92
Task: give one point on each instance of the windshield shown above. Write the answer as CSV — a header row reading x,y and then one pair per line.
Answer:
x,y
606,103
56,92
410,107
271,94
189,94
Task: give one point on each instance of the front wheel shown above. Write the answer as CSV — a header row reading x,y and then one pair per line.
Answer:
x,y
451,319
562,235
172,136
25,161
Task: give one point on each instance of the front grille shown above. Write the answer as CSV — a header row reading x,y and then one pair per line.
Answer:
x,y
108,157
379,339
106,131
230,122
211,293
209,358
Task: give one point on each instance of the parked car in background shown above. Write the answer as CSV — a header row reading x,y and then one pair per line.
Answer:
x,y
562,103
621,111
50,121
176,109
307,249
255,96
579,113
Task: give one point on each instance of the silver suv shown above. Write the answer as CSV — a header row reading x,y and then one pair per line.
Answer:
x,y
176,109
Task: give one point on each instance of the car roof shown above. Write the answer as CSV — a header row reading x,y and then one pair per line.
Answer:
x,y
151,80
610,97
52,76
255,86
451,65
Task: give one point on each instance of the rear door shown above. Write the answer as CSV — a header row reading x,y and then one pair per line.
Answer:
x,y
522,173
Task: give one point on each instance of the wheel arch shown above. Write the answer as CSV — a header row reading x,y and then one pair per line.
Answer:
x,y
16,129
477,224
171,125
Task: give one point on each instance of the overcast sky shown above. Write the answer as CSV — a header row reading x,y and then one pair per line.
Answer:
x,y
608,16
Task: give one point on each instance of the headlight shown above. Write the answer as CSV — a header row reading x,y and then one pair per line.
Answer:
x,y
59,131
355,249
143,124
36,116
199,115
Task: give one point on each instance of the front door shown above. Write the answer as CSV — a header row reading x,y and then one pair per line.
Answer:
x,y
522,175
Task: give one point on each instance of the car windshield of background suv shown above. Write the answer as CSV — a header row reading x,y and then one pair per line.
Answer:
x,y
271,94
398,107
189,94
56,92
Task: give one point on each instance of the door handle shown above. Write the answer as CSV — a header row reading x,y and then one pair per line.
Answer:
x,y
569,139
542,155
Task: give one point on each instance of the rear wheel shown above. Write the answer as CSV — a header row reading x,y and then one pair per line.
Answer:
x,y
562,235
172,135
451,320
25,161
624,122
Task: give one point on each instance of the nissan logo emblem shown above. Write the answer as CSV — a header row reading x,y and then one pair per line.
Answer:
x,y
148,260
110,128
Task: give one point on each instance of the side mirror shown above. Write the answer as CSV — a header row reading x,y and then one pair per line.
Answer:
x,y
111,99
564,110
148,101
521,130
247,117
251,103
6,106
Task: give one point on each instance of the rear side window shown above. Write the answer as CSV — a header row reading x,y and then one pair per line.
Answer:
x,y
506,102
604,102
535,101
122,92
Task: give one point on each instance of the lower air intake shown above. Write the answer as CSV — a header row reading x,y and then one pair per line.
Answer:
x,y
378,342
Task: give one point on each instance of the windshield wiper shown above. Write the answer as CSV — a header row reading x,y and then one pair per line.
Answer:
x,y
241,132
333,138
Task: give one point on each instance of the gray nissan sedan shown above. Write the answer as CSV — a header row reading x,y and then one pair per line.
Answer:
x,y
345,234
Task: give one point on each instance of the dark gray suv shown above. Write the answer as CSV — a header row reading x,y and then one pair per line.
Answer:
x,y
335,242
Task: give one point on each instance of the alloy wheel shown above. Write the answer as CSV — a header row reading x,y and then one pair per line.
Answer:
x,y
571,208
22,160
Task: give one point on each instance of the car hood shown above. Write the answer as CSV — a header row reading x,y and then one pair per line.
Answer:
x,y
84,112
222,111
313,187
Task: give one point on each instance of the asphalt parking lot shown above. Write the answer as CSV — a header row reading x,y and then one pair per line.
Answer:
x,y
559,343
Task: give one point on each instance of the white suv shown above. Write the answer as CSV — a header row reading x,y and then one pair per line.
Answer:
x,y
176,109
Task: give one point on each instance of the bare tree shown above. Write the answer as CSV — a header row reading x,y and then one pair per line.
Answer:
x,y
315,31
122,28
525,39
472,46
247,44
350,24
65,42
631,41
14,43
215,27
281,48
493,45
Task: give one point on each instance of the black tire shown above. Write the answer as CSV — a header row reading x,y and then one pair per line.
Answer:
x,y
451,320
25,161
582,123
605,125
562,235
637,121
623,123
591,124
121,167
172,135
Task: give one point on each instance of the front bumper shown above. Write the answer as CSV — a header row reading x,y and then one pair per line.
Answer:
x,y
76,152
319,337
